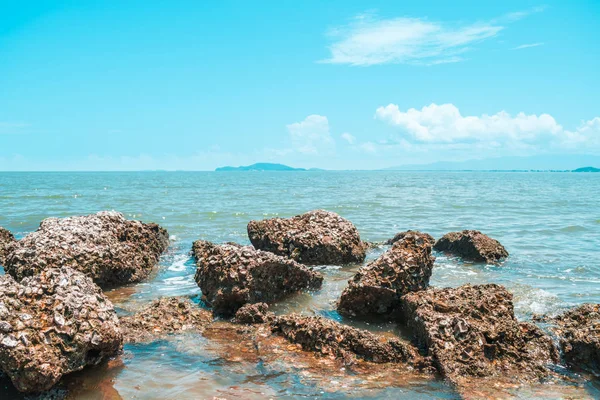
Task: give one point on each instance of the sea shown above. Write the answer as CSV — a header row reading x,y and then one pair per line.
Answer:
x,y
548,221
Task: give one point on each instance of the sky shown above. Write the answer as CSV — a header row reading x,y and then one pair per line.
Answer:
x,y
188,85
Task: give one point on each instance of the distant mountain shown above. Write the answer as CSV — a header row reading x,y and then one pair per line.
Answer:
x,y
551,162
587,169
262,167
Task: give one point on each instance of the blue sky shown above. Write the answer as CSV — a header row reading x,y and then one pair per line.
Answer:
x,y
336,84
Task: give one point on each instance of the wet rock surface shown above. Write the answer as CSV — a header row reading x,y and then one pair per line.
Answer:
x,y
52,324
376,288
579,332
315,238
167,315
231,275
471,331
472,245
105,246
256,313
6,239
401,235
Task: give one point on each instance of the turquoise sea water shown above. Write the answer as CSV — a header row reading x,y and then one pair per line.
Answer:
x,y
549,222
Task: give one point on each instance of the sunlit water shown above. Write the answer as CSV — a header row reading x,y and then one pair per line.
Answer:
x,y
549,222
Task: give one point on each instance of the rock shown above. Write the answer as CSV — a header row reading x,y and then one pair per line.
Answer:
x,y
167,315
377,287
315,238
331,338
233,275
401,235
6,239
579,332
54,323
471,331
105,246
257,313
472,246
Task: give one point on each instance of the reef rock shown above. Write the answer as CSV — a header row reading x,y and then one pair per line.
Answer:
x,y
52,324
6,239
315,238
401,235
256,313
579,332
167,315
231,275
377,287
472,245
471,331
105,246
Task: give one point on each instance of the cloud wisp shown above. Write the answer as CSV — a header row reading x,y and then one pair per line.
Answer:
x,y
527,45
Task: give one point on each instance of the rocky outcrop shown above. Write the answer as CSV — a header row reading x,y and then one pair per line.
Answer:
x,y
579,332
105,246
471,331
167,315
376,288
52,324
257,313
331,338
231,275
401,235
315,238
6,239
472,246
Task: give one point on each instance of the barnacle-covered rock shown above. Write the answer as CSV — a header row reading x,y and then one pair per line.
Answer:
x,y
167,315
471,331
315,238
401,235
6,239
105,246
231,275
52,324
256,313
377,287
472,246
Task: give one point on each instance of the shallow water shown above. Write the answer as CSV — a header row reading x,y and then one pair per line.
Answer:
x,y
549,222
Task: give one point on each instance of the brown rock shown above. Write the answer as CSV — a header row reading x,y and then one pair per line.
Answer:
x,y
167,315
471,331
6,239
472,245
233,275
105,246
377,287
257,313
401,235
315,238
52,324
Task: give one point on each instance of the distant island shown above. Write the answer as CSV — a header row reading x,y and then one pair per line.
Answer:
x,y
587,169
264,167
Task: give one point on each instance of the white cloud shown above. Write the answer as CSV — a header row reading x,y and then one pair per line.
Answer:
x,y
368,147
369,40
444,124
348,138
528,45
311,136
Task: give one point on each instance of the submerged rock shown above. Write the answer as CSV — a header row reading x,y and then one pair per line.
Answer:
x,y
579,332
167,315
105,246
331,338
472,245
6,239
231,275
315,238
377,287
52,324
471,331
401,235
257,313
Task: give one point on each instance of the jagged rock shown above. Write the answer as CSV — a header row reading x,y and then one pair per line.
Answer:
x,y
377,287
331,338
315,238
401,235
579,332
471,331
52,324
472,245
6,239
256,313
233,275
167,315
105,246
